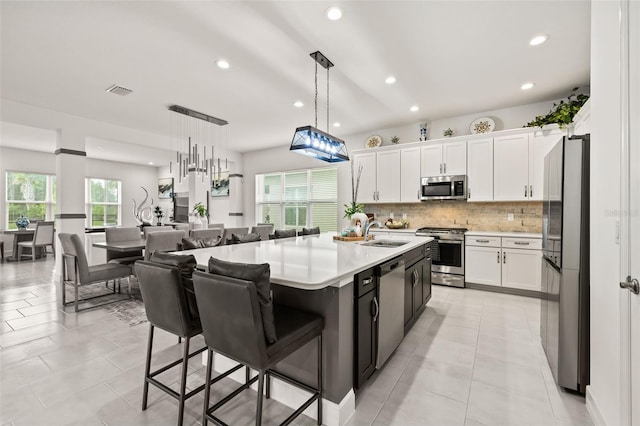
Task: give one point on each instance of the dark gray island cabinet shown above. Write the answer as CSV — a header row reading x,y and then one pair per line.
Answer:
x,y
316,274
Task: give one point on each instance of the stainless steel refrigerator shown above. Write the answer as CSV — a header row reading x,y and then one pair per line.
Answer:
x,y
564,314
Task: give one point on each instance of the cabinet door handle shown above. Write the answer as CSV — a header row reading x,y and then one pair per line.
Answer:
x,y
521,243
469,193
374,195
367,281
525,191
530,190
445,168
414,278
498,257
482,241
375,304
418,194
504,257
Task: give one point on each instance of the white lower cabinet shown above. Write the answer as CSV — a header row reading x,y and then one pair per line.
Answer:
x,y
503,262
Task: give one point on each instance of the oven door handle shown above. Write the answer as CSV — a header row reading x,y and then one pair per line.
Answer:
x,y
457,242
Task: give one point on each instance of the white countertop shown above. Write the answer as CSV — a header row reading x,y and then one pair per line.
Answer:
x,y
310,262
391,231
502,234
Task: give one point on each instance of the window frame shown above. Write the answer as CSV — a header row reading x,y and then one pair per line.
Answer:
x,y
89,203
49,201
307,203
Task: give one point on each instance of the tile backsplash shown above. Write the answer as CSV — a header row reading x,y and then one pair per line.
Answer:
x,y
527,215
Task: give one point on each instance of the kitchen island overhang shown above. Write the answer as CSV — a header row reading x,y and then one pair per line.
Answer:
x,y
315,273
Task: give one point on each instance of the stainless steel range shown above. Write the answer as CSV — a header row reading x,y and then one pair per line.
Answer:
x,y
447,255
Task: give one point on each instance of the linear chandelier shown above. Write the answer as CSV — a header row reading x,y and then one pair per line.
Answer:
x,y
191,133
311,141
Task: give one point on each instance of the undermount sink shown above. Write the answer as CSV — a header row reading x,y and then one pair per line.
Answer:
x,y
385,243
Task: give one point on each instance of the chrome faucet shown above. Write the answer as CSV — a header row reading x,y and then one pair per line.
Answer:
x,y
368,226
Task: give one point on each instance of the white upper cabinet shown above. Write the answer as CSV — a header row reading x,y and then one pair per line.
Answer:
x,y
455,158
447,158
539,146
431,160
380,179
367,188
410,175
480,170
511,168
388,177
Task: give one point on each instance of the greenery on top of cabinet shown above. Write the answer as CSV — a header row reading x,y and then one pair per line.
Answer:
x,y
561,113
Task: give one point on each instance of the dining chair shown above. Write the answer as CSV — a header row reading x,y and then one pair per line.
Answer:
x,y
185,227
2,250
77,273
226,238
263,230
114,235
152,229
163,241
206,233
42,237
283,233
216,225
309,231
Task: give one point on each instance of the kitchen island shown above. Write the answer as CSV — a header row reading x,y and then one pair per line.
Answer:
x,y
315,273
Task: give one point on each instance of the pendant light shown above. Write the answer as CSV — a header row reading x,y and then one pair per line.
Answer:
x,y
311,141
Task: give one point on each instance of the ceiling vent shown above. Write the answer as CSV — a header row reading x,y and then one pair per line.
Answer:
x,y
119,90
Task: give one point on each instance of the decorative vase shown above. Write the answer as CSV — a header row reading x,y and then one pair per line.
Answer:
x,y
22,223
358,230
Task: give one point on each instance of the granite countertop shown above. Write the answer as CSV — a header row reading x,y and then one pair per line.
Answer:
x,y
503,234
310,262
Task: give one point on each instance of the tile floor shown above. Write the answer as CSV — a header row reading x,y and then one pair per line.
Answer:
x,y
473,358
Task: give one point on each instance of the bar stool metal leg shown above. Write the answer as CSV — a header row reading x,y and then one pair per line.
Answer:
x,y
207,386
147,369
259,405
183,381
320,379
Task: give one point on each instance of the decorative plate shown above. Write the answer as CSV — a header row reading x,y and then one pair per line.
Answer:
x,y
482,125
373,141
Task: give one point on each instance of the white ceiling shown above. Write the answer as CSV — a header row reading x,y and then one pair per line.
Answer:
x,y
449,57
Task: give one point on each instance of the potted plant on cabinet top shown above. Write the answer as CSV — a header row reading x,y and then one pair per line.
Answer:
x,y
562,113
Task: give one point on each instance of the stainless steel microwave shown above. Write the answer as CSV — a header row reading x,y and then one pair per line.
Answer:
x,y
443,188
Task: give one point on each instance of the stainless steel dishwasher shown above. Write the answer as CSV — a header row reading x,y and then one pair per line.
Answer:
x,y
391,302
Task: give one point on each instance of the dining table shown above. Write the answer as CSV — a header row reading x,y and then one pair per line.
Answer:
x,y
122,246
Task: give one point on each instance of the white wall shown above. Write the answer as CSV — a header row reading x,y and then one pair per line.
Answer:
x,y
132,176
281,159
605,201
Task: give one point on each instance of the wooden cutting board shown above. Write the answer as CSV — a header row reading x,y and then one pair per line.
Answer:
x,y
341,238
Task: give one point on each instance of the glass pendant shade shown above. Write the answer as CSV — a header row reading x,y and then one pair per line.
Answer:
x,y
315,143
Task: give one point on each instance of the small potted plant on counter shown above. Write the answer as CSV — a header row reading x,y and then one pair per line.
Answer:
x,y
159,215
201,212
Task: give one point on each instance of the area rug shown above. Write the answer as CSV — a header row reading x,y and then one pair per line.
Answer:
x,y
130,310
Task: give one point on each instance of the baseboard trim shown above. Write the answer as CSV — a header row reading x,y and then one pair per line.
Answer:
x,y
593,410
506,290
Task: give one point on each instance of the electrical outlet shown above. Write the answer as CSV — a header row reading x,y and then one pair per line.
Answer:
x,y
510,217
390,215
404,216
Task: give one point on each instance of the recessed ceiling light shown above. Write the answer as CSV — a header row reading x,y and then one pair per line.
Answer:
x,y
150,163
223,63
334,13
414,108
390,80
298,104
538,40
336,124
527,86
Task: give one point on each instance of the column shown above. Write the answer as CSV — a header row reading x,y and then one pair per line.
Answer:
x,y
70,192
236,210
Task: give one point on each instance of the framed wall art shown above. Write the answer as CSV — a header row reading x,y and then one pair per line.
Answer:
x,y
220,184
165,188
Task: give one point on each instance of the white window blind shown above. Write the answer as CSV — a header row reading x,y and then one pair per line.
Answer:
x,y
297,199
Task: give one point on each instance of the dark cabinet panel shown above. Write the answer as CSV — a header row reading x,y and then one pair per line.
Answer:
x,y
426,280
366,309
409,310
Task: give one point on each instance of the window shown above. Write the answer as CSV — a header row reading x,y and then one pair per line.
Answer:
x,y
302,198
30,195
103,203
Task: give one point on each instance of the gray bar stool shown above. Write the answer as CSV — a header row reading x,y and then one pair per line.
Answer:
x,y
234,303
167,306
